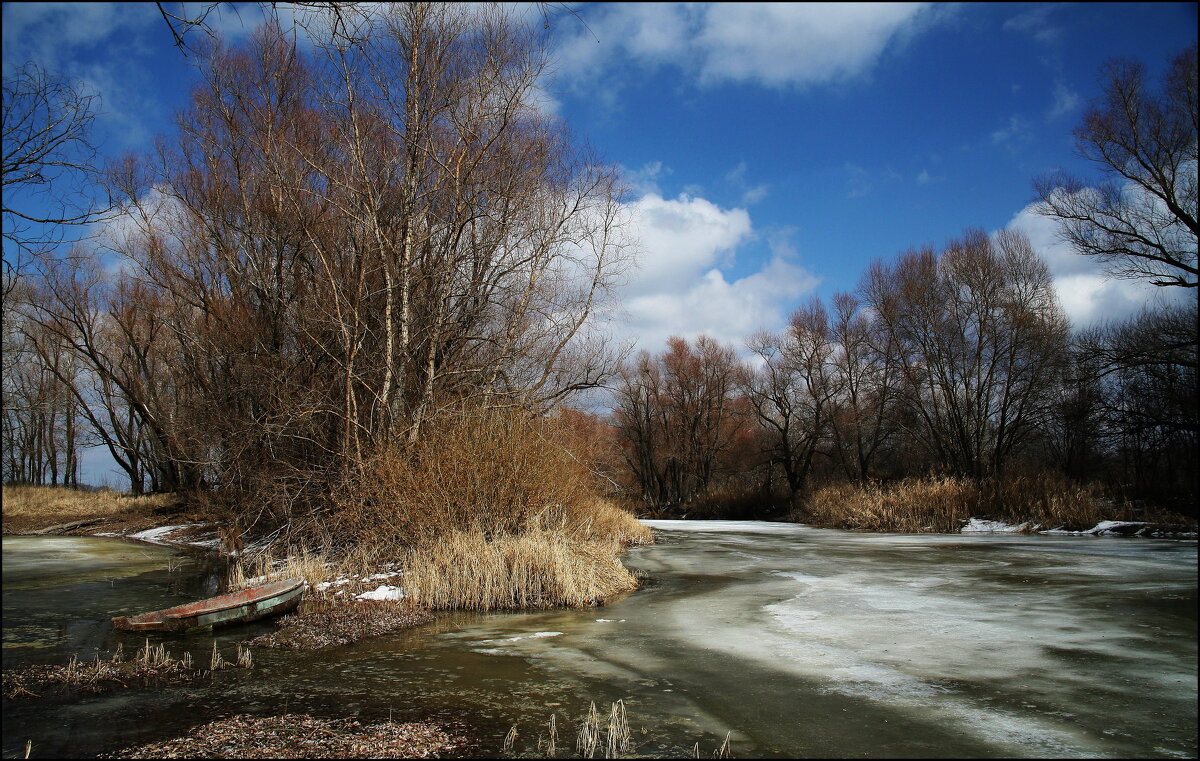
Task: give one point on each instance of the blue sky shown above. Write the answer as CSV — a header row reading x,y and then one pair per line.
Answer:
x,y
774,150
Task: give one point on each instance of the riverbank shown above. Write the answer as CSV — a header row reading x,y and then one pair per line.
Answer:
x,y
1022,504
74,512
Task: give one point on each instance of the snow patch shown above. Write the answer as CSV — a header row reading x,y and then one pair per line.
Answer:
x,y
159,535
535,635
384,575
383,592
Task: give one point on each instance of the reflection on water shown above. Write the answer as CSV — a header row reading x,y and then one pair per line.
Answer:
x,y
803,642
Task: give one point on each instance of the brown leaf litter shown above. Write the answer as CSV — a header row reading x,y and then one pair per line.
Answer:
x,y
299,736
332,624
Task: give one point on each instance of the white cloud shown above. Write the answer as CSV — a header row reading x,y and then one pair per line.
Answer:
x,y
682,286
644,181
682,237
770,44
779,44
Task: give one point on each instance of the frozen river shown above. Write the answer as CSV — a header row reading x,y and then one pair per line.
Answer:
x,y
798,641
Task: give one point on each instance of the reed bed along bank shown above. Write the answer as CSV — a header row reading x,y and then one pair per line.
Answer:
x,y
496,472
33,508
471,571
570,565
943,505
492,510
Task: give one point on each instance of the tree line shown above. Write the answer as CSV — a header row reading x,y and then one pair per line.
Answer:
x,y
343,244
960,361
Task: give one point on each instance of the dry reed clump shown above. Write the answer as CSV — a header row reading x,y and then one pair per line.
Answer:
x,y
150,664
945,504
29,508
495,472
251,569
911,505
490,510
472,571
598,736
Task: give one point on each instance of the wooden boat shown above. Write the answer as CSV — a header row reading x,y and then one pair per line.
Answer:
x,y
233,608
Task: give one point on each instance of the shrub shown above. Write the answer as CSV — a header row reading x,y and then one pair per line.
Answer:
x,y
493,473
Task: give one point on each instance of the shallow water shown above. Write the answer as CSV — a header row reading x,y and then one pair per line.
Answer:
x,y
798,641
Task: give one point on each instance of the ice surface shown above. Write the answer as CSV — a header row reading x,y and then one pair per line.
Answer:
x,y
1021,644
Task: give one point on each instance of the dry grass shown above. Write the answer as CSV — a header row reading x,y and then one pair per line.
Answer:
x,y
944,504
31,508
491,510
251,569
471,571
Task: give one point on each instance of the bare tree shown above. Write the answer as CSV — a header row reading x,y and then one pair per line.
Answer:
x,y
1142,221
41,429
979,338
340,246
677,418
49,166
866,380
793,389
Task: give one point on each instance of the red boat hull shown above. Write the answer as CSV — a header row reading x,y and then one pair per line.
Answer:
x,y
233,608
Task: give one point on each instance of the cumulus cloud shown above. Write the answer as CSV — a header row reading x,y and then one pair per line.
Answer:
x,y
683,286
769,44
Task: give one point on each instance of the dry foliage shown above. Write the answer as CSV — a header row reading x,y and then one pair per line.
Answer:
x,y
27,508
493,473
944,504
